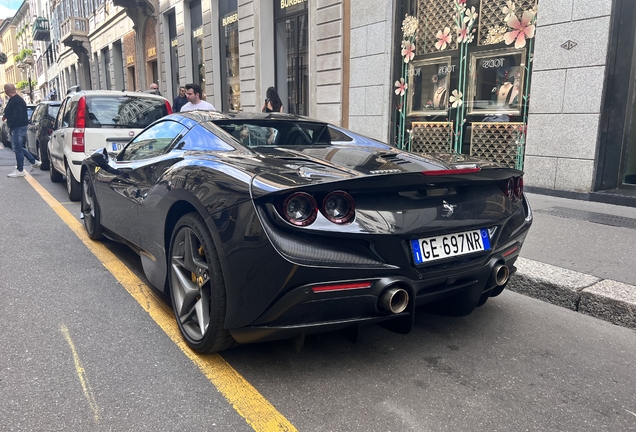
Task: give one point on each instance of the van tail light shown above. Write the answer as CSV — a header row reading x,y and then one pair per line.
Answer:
x,y
77,140
77,143
168,107
80,118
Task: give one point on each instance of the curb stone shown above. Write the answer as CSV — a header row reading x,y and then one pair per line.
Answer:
x,y
605,299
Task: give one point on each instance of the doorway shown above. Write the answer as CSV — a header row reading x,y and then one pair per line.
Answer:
x,y
292,61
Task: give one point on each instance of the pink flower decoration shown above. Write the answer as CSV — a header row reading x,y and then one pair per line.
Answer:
x,y
443,38
408,51
462,33
401,87
521,30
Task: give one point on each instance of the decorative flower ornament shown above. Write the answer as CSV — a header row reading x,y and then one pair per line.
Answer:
x,y
462,33
409,26
401,87
408,51
443,39
455,99
521,30
509,10
470,16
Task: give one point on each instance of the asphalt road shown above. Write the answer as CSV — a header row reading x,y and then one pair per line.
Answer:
x,y
78,352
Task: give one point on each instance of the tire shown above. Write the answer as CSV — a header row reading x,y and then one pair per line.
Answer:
x,y
90,209
44,158
192,255
73,187
56,176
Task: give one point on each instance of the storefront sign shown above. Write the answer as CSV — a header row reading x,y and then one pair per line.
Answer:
x,y
174,42
414,72
198,33
284,4
152,52
493,63
443,70
130,59
230,19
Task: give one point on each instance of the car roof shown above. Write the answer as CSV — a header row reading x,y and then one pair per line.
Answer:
x,y
217,115
114,93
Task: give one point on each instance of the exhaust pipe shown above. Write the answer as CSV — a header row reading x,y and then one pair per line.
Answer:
x,y
501,273
394,300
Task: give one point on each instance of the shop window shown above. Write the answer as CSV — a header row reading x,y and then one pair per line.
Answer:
x,y
430,83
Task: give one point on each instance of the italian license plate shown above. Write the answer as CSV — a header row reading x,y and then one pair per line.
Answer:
x,y
118,146
450,245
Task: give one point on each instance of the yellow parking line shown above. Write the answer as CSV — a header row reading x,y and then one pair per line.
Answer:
x,y
81,374
246,400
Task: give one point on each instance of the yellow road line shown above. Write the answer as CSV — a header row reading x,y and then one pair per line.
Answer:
x,y
246,400
81,374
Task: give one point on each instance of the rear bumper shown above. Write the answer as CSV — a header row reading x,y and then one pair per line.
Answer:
x,y
303,311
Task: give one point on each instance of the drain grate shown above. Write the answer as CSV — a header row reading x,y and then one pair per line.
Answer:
x,y
599,218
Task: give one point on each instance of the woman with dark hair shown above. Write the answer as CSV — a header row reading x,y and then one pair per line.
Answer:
x,y
273,102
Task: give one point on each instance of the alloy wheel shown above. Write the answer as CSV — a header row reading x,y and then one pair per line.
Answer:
x,y
191,284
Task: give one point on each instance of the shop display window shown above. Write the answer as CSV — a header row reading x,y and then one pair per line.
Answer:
x,y
428,86
496,82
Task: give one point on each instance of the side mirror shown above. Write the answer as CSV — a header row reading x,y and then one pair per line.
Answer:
x,y
101,159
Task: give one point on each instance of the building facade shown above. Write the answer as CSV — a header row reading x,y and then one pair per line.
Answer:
x,y
545,86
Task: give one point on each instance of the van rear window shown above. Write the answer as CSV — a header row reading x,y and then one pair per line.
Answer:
x,y
123,111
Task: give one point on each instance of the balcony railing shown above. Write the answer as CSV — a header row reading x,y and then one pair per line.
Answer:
x,y
41,29
73,26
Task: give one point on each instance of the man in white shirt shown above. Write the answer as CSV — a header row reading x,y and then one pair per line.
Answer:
x,y
193,93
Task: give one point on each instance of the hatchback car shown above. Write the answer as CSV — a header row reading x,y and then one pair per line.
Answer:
x,y
5,135
40,129
92,119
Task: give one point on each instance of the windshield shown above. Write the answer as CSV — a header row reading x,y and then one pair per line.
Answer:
x,y
255,133
123,111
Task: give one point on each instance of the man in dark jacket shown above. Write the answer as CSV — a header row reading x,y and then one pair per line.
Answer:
x,y
15,114
180,100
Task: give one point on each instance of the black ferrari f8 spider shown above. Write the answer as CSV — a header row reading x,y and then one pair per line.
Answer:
x,y
271,226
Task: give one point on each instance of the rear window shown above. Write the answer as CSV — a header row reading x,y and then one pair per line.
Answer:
x,y
53,110
30,110
123,111
256,133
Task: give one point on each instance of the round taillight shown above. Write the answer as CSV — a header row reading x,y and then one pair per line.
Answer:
x,y
339,207
300,209
519,188
510,189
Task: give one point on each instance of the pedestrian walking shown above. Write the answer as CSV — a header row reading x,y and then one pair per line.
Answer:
x,y
273,102
180,100
154,88
193,93
17,118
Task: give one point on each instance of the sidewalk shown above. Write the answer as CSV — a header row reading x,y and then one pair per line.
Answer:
x,y
581,255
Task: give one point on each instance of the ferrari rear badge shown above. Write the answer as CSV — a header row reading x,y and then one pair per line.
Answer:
x,y
449,208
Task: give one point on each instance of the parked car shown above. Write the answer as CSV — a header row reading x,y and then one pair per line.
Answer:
x,y
40,129
5,136
270,226
92,119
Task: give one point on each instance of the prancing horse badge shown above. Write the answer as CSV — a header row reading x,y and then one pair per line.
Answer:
x,y
448,208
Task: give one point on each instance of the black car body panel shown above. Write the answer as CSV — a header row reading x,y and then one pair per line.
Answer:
x,y
273,270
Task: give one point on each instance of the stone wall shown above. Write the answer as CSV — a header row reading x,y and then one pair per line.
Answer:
x,y
566,93
371,55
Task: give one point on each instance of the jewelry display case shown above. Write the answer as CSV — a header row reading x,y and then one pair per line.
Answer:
x,y
496,82
429,84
